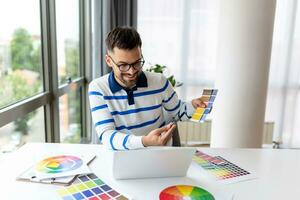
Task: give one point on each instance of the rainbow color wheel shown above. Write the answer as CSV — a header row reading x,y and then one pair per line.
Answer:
x,y
59,164
185,192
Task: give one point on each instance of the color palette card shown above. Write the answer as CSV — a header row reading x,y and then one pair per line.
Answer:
x,y
89,187
221,169
63,167
183,192
209,96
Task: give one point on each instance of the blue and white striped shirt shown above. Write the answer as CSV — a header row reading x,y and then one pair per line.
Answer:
x,y
121,117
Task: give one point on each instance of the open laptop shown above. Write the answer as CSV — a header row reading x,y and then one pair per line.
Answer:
x,y
152,162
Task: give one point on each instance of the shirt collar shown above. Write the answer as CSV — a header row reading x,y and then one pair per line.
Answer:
x,y
115,86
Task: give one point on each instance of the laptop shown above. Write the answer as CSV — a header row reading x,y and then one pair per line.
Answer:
x,y
152,162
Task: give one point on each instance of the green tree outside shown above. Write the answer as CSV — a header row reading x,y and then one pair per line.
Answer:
x,y
23,54
26,55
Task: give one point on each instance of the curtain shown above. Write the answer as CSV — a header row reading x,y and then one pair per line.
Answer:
x,y
182,35
123,13
283,101
108,14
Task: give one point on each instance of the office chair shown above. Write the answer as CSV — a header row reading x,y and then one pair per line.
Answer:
x,y
176,138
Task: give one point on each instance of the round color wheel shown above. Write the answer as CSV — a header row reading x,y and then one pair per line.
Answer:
x,y
59,164
185,192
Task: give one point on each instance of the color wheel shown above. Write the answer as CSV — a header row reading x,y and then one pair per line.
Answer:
x,y
59,164
185,192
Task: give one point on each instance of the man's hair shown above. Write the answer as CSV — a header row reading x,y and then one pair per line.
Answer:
x,y
123,38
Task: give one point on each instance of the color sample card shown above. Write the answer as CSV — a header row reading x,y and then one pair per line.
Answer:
x,y
89,187
221,169
209,96
183,192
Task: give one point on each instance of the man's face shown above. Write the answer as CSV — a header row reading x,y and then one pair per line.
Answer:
x,y
120,57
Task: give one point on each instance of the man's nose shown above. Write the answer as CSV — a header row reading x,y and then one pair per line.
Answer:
x,y
131,70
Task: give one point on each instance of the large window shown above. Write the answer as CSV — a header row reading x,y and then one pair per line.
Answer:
x,y
20,51
43,71
31,127
68,63
67,40
70,117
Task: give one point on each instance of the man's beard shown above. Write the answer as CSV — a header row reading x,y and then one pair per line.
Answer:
x,y
129,83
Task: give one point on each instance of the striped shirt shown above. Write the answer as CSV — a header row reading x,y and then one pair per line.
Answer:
x,y
121,116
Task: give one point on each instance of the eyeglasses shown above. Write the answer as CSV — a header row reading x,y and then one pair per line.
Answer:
x,y
124,67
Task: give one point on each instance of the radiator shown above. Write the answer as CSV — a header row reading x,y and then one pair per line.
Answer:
x,y
198,134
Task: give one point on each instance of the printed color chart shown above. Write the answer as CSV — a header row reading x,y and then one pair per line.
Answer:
x,y
89,187
59,164
185,192
200,114
220,168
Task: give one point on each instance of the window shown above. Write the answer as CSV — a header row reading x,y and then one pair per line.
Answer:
x,y
29,128
20,51
70,117
67,29
43,71
69,65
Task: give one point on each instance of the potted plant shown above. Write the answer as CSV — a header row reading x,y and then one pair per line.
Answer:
x,y
161,69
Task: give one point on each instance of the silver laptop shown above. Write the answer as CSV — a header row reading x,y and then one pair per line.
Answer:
x,y
152,162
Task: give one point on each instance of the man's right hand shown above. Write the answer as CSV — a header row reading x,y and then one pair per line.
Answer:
x,y
160,136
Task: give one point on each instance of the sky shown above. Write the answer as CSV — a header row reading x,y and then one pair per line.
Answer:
x,y
19,13
26,13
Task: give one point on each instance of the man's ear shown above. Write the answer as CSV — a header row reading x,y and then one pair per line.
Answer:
x,y
108,60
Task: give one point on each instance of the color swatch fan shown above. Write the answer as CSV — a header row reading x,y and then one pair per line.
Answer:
x,y
209,96
185,192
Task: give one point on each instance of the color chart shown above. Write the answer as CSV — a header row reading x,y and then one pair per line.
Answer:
x,y
59,164
185,192
89,187
209,96
221,169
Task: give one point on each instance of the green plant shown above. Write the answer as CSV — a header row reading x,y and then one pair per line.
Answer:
x,y
161,69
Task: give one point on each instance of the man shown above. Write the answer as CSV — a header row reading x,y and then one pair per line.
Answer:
x,y
128,104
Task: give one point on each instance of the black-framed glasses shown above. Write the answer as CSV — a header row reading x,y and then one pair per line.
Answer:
x,y
124,67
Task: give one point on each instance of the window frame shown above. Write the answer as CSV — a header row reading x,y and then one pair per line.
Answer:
x,y
49,99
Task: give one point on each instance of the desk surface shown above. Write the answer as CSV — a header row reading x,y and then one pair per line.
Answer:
x,y
277,171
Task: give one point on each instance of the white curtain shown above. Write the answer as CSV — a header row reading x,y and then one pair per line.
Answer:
x,y
181,34
283,102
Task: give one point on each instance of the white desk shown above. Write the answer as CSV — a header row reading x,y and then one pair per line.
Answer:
x,y
278,172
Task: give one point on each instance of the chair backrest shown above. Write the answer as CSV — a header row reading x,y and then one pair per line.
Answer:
x,y
176,138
